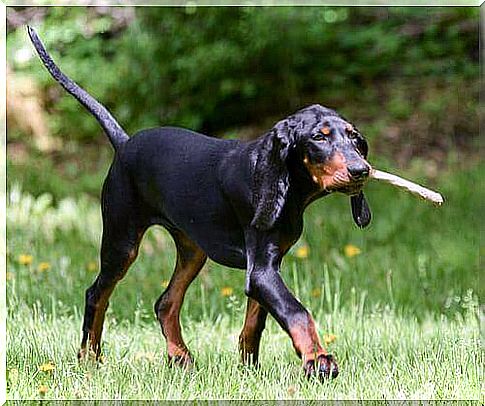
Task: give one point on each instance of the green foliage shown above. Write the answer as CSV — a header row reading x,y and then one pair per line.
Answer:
x,y
72,173
217,68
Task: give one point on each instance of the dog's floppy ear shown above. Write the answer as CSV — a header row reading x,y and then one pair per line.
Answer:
x,y
360,210
270,176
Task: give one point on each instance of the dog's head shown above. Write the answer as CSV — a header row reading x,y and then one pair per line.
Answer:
x,y
332,152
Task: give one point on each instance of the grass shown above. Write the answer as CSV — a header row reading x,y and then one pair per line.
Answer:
x,y
401,297
382,356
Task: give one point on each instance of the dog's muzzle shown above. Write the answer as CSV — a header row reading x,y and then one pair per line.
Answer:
x,y
358,170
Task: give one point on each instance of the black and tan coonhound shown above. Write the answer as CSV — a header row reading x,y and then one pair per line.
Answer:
x,y
239,203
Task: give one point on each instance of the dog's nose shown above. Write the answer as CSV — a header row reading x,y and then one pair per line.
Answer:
x,y
358,170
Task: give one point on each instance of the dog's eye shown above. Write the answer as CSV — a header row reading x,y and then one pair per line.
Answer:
x,y
318,136
362,146
354,135
322,134
351,131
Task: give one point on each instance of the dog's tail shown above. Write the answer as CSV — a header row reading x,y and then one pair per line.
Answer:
x,y
113,130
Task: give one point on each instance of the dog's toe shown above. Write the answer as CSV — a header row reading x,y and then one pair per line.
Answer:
x,y
181,360
323,367
89,355
81,355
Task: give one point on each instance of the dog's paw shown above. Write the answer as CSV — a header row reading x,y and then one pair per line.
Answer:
x,y
323,367
181,360
85,355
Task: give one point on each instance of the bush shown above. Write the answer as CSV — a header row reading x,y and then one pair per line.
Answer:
x,y
216,68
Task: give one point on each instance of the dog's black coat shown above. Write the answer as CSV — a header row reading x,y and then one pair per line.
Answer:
x,y
239,203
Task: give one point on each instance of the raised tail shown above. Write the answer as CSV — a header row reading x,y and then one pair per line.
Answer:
x,y
113,130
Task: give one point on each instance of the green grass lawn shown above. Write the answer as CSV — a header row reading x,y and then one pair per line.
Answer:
x,y
401,298
382,356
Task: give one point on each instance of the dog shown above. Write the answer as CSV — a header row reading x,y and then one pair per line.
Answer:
x,y
238,203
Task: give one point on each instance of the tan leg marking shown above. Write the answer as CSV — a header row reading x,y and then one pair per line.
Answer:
x,y
250,336
190,259
306,341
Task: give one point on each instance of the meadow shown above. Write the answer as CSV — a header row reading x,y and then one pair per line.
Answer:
x,y
396,303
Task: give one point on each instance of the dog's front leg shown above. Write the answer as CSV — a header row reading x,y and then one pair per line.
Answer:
x,y
265,285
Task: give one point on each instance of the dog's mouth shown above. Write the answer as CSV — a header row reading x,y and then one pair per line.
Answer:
x,y
341,182
350,189
335,177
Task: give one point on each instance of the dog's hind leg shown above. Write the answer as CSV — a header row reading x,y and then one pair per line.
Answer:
x,y
116,258
250,336
122,233
190,260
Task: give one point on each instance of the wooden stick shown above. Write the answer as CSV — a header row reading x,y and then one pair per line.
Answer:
x,y
411,187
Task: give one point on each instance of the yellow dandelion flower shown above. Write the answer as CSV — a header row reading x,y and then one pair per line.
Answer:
x,y
25,259
48,367
316,292
329,338
302,252
292,389
227,291
43,389
43,266
139,355
351,250
165,283
92,266
9,276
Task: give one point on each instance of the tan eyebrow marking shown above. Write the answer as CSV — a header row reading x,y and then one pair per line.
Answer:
x,y
349,128
325,130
